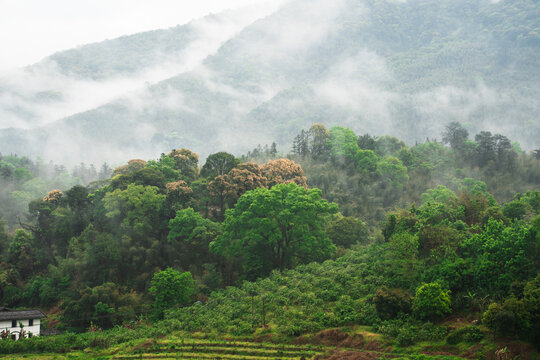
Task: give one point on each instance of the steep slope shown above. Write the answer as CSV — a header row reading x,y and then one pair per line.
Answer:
x,y
404,68
86,77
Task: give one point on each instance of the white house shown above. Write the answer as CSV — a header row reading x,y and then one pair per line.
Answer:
x,y
11,320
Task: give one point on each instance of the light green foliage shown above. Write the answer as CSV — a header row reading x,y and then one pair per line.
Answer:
x,y
22,175
391,169
478,188
431,301
440,194
137,207
170,287
191,234
166,166
366,160
276,228
343,144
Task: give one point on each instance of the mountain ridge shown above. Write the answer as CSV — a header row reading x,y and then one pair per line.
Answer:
x,y
367,66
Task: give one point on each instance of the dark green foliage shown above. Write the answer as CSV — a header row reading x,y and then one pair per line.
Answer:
x,y
390,302
104,305
455,135
11,296
95,251
407,332
471,334
218,164
346,231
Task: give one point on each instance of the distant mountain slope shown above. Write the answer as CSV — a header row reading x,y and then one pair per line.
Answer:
x,y
404,68
86,77
127,54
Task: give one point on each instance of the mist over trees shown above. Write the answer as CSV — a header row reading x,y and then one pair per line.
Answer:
x,y
461,61
423,231
340,173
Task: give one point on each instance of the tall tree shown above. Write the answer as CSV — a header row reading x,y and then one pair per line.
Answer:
x,y
218,164
455,135
276,228
170,288
486,147
318,143
283,171
301,144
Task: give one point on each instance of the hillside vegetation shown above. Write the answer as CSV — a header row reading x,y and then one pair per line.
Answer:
x,y
351,241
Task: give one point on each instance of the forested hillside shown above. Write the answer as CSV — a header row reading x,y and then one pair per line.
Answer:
x,y
351,231
380,67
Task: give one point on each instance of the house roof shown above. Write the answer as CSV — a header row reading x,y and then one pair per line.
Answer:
x,y
8,314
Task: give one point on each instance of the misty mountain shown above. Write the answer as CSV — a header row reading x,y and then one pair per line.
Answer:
x,y
383,67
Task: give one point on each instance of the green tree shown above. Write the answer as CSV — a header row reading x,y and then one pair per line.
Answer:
x,y
343,144
137,207
170,288
187,162
455,135
346,231
21,253
166,166
318,144
191,234
391,169
219,164
388,146
276,228
366,160
390,302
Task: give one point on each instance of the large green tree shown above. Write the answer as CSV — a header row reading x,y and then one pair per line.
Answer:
x,y
276,228
219,164
190,235
170,287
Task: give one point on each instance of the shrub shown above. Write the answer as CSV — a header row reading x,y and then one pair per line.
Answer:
x,y
509,319
431,301
465,334
406,336
345,311
390,302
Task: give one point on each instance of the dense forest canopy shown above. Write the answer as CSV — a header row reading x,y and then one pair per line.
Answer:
x,y
383,234
372,182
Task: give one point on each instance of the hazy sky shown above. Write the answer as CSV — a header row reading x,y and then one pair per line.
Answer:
x,y
33,29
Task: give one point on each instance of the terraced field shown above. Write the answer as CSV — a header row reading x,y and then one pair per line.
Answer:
x,y
203,349
180,348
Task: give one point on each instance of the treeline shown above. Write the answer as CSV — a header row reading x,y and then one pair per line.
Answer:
x,y
367,176
94,252
163,233
23,180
